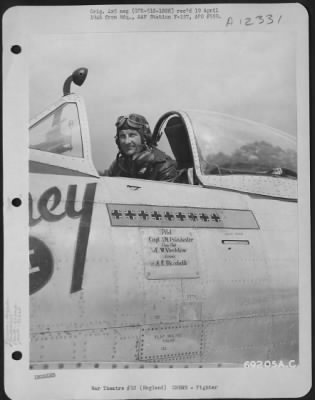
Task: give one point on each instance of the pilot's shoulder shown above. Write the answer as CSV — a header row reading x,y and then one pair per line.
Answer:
x,y
160,156
113,169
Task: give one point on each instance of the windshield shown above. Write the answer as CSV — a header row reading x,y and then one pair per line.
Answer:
x,y
229,145
59,132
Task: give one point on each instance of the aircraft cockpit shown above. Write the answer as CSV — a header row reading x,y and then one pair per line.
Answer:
x,y
230,145
220,150
212,149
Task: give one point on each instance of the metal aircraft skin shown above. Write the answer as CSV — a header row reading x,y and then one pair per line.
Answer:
x,y
139,273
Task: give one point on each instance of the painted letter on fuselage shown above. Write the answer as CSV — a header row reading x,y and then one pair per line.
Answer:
x,y
48,202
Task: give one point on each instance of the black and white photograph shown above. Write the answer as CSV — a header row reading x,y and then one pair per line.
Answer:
x,y
163,209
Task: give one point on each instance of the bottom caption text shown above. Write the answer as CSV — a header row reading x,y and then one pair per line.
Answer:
x,y
152,388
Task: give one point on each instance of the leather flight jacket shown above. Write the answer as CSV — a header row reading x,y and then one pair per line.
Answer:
x,y
151,163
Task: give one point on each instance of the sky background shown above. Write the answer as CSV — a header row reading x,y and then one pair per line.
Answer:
x,y
246,74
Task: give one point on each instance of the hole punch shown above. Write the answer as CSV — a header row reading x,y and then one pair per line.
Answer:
x,y
16,49
17,355
16,202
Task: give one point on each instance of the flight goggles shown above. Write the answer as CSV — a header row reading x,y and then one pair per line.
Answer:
x,y
133,120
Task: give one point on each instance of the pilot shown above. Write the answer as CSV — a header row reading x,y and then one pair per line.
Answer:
x,y
137,156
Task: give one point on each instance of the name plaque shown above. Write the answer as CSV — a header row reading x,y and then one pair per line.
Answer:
x,y
170,253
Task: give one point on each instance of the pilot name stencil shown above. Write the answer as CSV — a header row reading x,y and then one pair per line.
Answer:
x,y
169,253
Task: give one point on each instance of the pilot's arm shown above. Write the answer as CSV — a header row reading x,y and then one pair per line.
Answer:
x,y
155,165
167,171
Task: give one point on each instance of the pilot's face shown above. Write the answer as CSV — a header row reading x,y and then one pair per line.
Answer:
x,y
130,142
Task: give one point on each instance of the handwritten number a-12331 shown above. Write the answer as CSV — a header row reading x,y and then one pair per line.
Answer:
x,y
267,19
